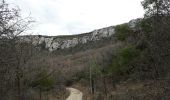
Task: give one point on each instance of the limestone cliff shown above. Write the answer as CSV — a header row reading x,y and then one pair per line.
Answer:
x,y
61,42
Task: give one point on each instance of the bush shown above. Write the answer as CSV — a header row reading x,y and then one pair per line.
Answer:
x,y
146,26
122,31
127,54
44,81
123,59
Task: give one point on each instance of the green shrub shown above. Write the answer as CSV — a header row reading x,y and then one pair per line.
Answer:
x,y
81,75
127,54
123,59
46,83
122,31
146,25
43,81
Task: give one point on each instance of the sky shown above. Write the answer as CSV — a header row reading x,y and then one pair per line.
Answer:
x,y
67,17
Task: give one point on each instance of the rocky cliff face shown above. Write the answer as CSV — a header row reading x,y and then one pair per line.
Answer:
x,y
61,42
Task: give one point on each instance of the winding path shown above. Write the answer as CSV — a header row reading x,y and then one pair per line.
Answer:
x,y
74,94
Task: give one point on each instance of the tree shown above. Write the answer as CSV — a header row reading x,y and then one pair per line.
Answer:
x,y
123,60
13,53
44,82
157,14
11,23
122,31
156,7
94,71
23,51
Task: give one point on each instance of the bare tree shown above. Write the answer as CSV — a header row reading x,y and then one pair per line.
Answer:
x,y
13,53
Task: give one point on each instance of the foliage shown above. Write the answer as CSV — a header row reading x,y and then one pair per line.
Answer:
x,y
44,81
146,25
81,75
157,28
95,68
122,31
122,60
156,7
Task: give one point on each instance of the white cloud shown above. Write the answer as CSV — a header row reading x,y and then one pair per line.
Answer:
x,y
59,17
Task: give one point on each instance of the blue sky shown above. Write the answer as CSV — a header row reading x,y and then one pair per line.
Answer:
x,y
66,17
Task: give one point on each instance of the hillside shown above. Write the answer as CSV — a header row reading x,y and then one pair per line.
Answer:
x,y
117,63
129,61
110,63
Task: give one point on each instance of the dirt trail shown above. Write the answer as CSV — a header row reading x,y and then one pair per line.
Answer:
x,y
74,94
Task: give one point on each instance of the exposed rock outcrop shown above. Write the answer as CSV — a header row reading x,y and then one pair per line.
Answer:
x,y
61,42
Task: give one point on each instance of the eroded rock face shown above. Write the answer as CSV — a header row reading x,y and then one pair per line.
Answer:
x,y
62,42
102,33
69,43
84,39
133,23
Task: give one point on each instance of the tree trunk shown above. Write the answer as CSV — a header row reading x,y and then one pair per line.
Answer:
x,y
19,87
104,83
91,82
40,94
92,88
